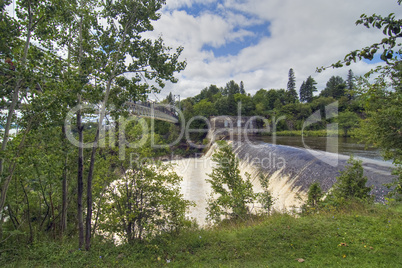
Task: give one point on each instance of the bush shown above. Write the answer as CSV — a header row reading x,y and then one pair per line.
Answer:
x,y
230,193
145,202
265,198
351,184
314,195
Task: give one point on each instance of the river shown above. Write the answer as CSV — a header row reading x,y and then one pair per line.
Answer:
x,y
290,168
345,146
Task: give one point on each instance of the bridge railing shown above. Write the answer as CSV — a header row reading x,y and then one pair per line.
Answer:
x,y
152,110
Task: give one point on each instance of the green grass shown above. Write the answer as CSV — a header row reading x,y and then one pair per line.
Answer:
x,y
362,237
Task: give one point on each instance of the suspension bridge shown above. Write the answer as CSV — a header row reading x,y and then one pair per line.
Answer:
x,y
153,110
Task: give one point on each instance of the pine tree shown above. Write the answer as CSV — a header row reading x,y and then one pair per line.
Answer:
x,y
350,81
351,183
310,88
291,93
303,93
242,91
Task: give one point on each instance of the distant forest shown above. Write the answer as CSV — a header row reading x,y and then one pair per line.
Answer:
x,y
273,103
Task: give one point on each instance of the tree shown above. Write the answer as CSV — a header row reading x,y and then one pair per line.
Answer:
x,y
307,90
121,40
230,194
351,184
36,21
231,88
347,120
169,98
310,88
204,108
145,202
291,88
303,92
247,104
335,88
350,83
382,127
207,93
242,90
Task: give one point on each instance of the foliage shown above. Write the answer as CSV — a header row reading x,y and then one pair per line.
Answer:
x,y
291,87
265,198
350,81
230,194
382,100
335,88
352,238
347,120
314,194
351,184
307,90
145,202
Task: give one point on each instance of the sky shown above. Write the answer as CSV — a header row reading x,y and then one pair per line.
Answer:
x,y
258,41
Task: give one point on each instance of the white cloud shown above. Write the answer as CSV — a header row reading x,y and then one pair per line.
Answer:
x,y
304,35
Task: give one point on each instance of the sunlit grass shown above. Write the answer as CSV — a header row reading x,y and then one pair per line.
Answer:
x,y
361,236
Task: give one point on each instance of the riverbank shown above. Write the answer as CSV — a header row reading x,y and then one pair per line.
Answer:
x,y
309,133
359,236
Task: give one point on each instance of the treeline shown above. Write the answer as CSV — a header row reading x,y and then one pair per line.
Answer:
x,y
273,103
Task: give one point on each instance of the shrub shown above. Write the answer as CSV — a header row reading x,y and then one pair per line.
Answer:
x,y
351,184
314,195
265,198
230,193
145,202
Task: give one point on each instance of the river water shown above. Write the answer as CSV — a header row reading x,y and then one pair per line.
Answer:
x,y
344,146
289,166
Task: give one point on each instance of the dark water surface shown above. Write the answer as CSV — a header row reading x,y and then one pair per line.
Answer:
x,y
344,146
301,165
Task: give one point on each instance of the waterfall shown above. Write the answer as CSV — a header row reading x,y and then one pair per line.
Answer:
x,y
290,172
298,168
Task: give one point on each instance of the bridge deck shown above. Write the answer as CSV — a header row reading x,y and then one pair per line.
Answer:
x,y
152,110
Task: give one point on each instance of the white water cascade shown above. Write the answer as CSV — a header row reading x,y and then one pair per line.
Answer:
x,y
290,172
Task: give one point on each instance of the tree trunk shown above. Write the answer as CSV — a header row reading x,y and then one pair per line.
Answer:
x,y
63,221
80,147
4,185
80,180
96,141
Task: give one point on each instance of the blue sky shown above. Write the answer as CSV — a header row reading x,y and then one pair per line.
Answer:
x,y
257,30
234,47
258,41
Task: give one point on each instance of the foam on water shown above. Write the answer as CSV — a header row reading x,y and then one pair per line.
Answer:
x,y
290,171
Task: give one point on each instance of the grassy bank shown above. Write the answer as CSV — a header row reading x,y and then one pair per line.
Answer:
x,y
362,237
309,133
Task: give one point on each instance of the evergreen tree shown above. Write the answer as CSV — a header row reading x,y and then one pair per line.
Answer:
x,y
310,88
351,183
169,98
242,91
350,84
335,88
307,89
303,92
231,88
291,89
